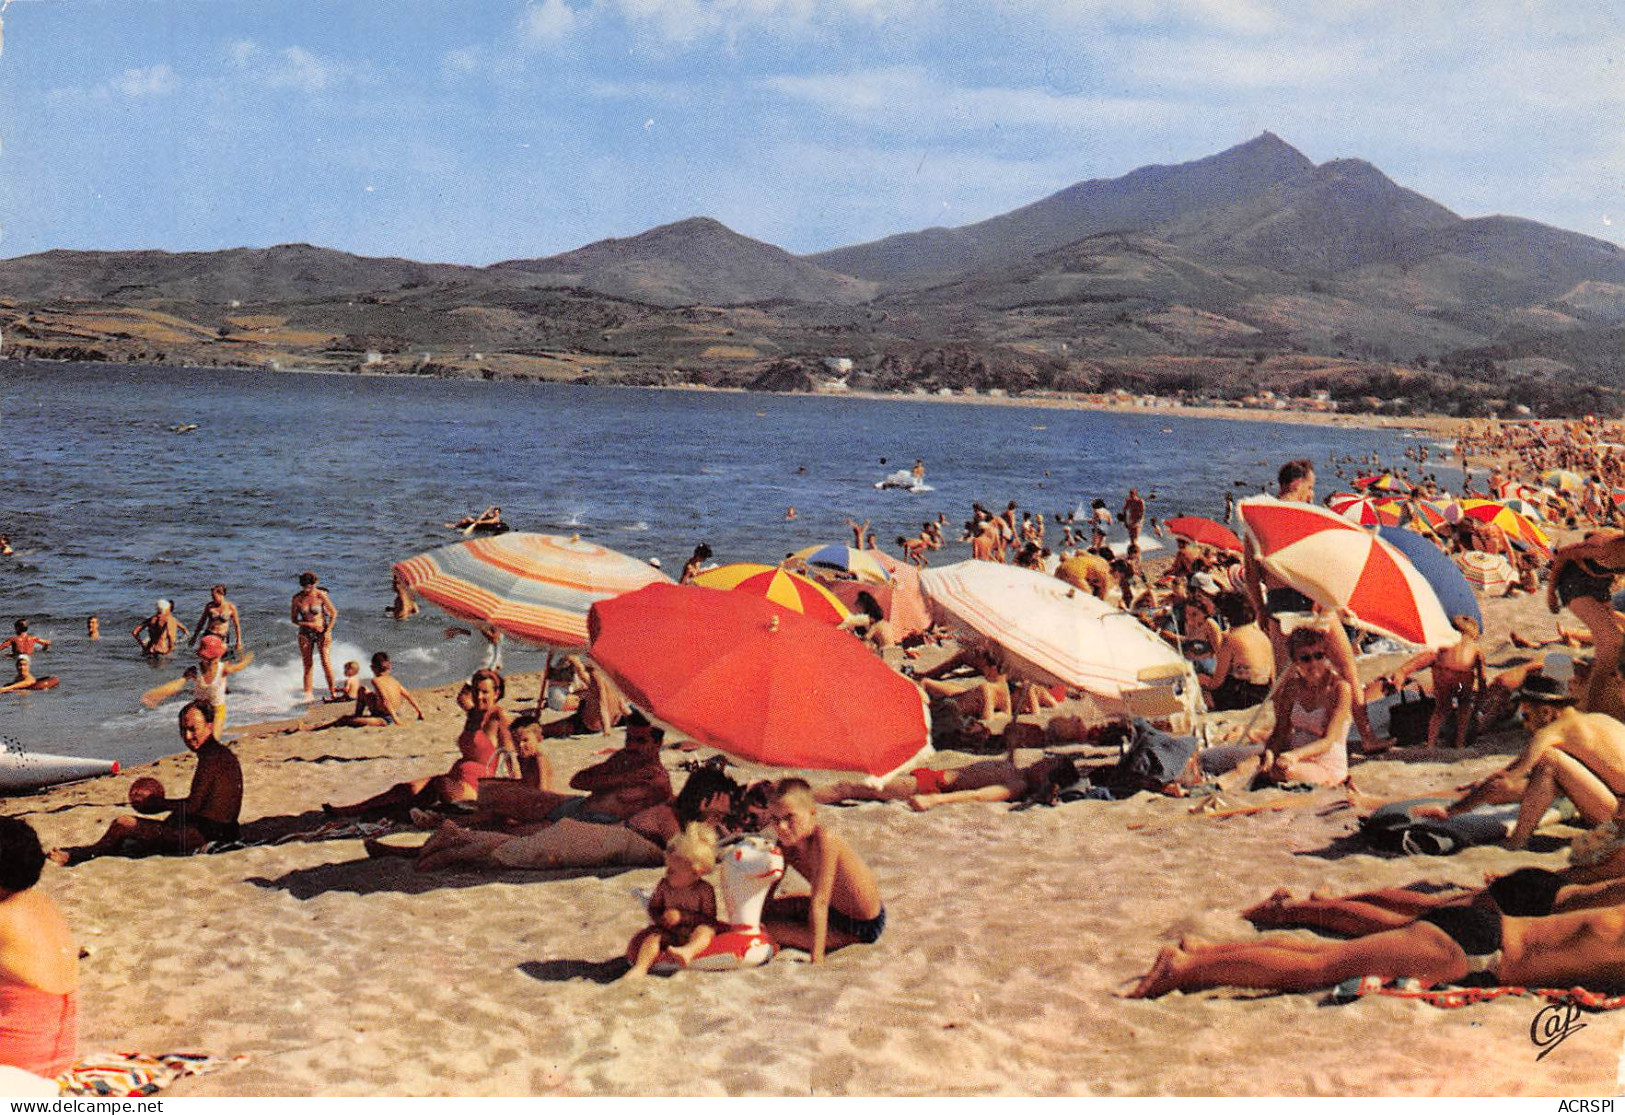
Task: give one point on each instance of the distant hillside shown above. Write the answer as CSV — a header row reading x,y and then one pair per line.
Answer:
x,y
697,261
1339,216
1249,268
1139,200
287,271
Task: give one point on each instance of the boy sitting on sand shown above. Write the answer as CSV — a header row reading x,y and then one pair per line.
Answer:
x,y
844,907
207,813
378,707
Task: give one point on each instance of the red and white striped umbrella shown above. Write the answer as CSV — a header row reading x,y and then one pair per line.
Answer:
x,y
1366,511
1337,564
1424,511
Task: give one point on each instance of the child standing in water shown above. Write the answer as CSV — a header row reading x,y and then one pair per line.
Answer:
x,y
684,906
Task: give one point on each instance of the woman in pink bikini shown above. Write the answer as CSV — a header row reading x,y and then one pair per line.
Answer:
x,y
39,963
485,733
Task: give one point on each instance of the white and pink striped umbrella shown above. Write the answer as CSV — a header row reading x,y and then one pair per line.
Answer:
x,y
1337,564
1047,630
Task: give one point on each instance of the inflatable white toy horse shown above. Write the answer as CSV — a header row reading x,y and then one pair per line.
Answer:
x,y
747,867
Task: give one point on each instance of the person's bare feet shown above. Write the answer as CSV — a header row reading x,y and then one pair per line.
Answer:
x,y
1163,976
921,802
60,856
1269,911
1522,643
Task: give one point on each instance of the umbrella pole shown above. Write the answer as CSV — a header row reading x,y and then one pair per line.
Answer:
x,y
541,694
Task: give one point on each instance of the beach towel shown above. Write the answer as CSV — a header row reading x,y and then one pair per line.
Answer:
x,y
330,830
1451,997
136,1074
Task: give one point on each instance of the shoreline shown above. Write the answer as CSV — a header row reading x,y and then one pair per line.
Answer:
x,y
1429,422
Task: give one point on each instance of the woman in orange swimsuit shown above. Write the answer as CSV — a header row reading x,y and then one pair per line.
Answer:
x,y
39,963
485,733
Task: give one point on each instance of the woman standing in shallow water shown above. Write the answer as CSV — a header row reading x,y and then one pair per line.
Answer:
x,y
313,614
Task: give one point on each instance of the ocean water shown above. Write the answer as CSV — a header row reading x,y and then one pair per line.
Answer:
x,y
109,508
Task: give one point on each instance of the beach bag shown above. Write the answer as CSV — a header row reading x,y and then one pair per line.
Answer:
x,y
1154,759
1408,720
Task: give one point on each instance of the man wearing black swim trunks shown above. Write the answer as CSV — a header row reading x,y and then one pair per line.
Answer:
x,y
207,814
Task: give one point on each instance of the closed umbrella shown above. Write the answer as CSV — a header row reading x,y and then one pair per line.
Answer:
x,y
534,587
1337,564
793,591
1047,630
1205,532
746,676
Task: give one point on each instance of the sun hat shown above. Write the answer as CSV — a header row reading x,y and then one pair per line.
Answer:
x,y
1540,689
211,647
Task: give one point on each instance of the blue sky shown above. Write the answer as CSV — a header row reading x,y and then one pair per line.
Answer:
x,y
473,131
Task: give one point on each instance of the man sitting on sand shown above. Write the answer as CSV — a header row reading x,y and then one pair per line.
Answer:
x,y
208,812
1578,754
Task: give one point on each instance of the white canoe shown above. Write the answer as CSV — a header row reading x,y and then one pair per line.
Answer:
x,y
31,770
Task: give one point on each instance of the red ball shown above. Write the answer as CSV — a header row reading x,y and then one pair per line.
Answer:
x,y
147,795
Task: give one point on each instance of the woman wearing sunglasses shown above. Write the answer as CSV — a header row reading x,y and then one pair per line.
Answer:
x,y
1313,711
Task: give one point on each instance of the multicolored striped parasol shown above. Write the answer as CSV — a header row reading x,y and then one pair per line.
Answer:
x,y
534,587
790,590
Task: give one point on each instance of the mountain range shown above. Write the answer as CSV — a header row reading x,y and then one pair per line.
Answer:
x,y
1254,264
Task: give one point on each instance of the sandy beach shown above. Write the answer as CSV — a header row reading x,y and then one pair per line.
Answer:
x,y
1010,931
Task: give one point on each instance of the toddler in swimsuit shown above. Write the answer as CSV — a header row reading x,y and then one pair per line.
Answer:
x,y
683,909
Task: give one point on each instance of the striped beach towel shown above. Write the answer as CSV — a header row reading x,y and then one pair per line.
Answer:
x,y
136,1074
1450,997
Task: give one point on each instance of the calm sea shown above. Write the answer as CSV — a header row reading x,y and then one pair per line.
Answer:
x,y
108,508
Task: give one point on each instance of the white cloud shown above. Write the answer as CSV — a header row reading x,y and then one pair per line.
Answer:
x,y
687,23
463,60
292,67
547,23
910,98
147,81
297,68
